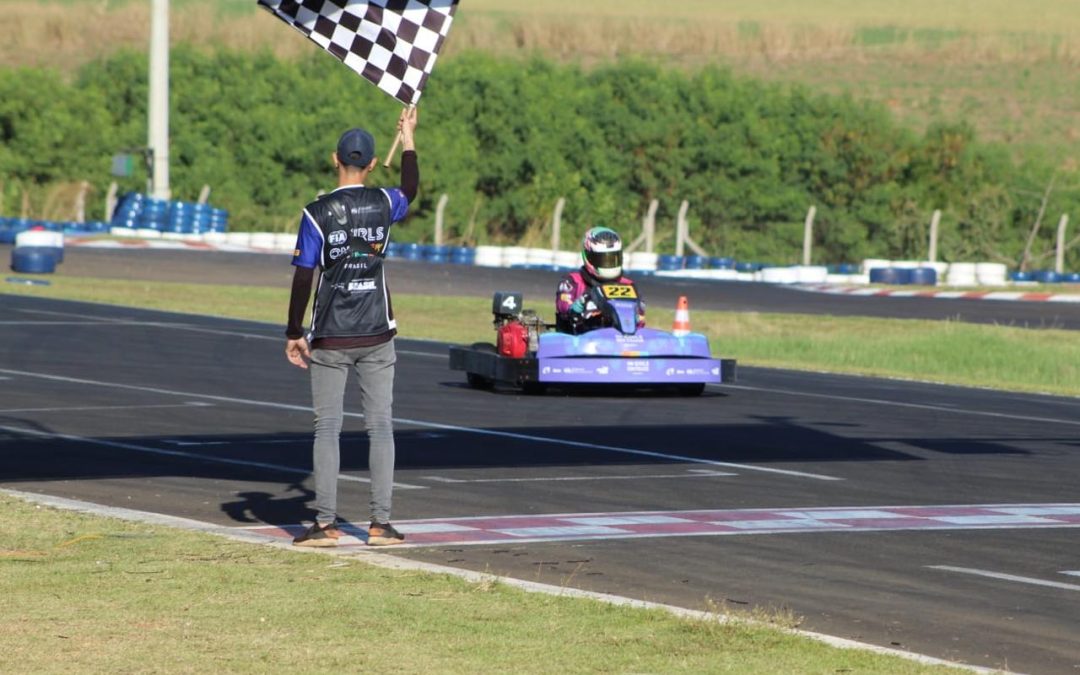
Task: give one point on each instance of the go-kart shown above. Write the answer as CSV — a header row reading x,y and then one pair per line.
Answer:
x,y
532,355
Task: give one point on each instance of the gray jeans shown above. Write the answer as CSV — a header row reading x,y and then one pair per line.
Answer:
x,y
374,368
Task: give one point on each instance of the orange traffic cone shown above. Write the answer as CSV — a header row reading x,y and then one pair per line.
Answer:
x,y
681,326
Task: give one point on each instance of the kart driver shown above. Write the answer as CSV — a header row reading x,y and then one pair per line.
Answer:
x,y
601,254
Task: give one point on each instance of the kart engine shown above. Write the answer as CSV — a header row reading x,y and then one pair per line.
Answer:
x,y
518,329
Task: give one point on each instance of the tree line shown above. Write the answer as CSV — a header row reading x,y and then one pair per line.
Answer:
x,y
507,138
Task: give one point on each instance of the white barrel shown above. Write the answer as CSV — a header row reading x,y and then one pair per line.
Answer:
x,y
641,261
515,255
43,238
812,274
539,256
568,259
991,274
961,274
489,256
875,263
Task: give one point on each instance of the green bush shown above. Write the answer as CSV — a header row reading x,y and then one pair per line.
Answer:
x,y
506,138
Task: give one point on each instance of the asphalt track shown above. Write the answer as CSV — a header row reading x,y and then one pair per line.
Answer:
x,y
729,500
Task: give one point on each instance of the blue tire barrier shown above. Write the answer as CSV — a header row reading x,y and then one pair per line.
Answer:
x,y
667,263
8,236
1021,276
1072,278
33,260
844,268
438,258
722,263
462,255
431,252
747,266
392,250
923,276
1047,277
890,275
696,262
411,251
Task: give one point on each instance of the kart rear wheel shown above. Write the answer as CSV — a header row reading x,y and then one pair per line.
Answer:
x,y
475,380
696,389
534,388
479,381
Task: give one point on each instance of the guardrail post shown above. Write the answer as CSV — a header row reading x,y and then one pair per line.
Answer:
x,y
556,224
935,221
440,209
1059,261
648,230
808,236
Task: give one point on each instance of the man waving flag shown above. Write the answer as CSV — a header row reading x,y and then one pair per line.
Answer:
x,y
392,43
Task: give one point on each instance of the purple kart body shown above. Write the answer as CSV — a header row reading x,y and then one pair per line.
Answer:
x,y
624,356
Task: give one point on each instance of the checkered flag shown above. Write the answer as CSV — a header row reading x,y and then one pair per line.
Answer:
x,y
392,43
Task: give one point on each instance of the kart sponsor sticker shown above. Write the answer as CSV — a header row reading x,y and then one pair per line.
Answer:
x,y
336,253
337,237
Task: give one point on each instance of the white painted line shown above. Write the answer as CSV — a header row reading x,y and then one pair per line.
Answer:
x,y
107,321
696,474
189,404
898,404
1071,573
386,560
189,455
434,425
1006,577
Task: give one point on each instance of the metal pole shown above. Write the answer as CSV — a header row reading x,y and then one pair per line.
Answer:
x,y
680,229
1059,261
935,221
158,124
808,235
556,224
650,227
440,209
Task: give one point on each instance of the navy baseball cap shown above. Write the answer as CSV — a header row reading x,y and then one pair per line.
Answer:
x,y
356,148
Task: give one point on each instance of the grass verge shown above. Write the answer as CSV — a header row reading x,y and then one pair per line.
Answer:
x,y
951,352
101,595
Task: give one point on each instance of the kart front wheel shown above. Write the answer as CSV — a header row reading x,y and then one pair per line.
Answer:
x,y
696,389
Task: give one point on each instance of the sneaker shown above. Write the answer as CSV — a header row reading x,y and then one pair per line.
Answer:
x,y
319,536
383,534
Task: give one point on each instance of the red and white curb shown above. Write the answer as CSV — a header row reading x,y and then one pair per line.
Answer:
x,y
948,295
381,558
171,245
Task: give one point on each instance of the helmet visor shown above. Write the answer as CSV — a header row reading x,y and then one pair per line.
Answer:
x,y
605,259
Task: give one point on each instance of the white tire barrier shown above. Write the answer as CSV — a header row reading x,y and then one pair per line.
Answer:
x,y
568,259
539,256
991,274
962,274
489,256
515,255
640,261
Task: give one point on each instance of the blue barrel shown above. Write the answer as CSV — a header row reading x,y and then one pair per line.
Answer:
x,y
696,262
1047,277
923,276
667,263
1072,278
462,255
411,251
1021,276
392,250
722,263
889,275
7,235
33,260
747,266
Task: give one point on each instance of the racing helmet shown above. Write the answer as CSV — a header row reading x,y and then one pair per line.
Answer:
x,y
601,251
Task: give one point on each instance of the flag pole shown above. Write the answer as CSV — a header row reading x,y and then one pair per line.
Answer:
x,y
397,142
